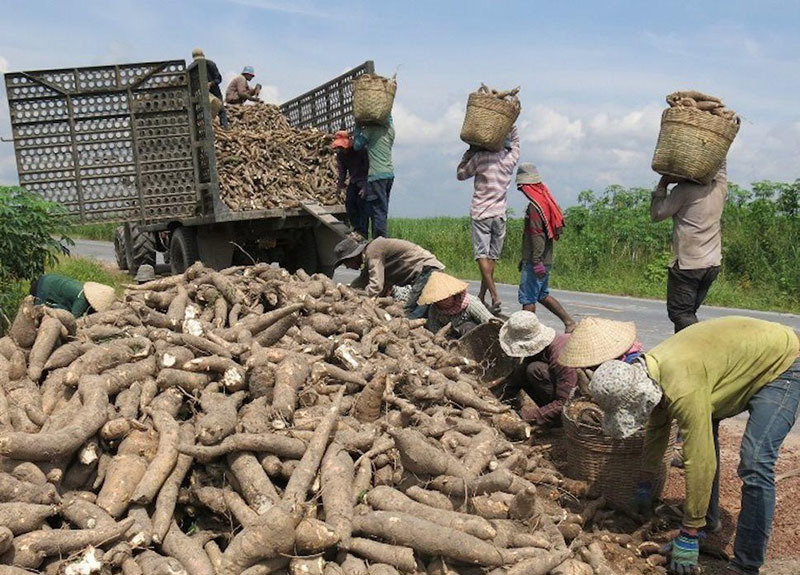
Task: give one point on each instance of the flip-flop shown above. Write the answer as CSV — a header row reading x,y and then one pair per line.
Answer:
x,y
495,308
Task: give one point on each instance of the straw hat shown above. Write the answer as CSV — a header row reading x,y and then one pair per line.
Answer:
x,y
440,286
596,340
523,335
99,296
341,139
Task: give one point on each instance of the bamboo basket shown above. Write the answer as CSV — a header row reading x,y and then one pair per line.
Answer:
x,y
488,120
482,345
373,98
610,466
692,143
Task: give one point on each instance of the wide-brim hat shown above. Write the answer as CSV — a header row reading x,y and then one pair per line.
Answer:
x,y
440,286
341,139
100,296
523,335
528,174
348,248
248,70
595,340
627,396
145,273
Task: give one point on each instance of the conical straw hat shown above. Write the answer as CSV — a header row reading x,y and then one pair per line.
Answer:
x,y
596,340
440,286
99,296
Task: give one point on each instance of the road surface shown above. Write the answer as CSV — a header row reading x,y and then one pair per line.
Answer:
x,y
650,316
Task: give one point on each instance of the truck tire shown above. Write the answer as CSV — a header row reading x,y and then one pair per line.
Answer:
x,y
119,248
143,249
183,250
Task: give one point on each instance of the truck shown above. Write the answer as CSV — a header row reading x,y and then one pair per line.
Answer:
x,y
134,144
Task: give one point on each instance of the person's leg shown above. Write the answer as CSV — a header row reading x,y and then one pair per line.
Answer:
x,y
379,208
351,206
682,288
558,310
773,410
712,515
705,281
480,248
529,287
497,238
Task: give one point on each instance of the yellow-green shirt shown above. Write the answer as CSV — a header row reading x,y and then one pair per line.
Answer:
x,y
707,371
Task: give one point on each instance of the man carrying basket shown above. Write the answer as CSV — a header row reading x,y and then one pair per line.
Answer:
x,y
708,372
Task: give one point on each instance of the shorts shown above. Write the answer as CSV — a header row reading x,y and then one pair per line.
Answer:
x,y
488,236
532,288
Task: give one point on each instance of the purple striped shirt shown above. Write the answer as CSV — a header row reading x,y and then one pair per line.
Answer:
x,y
492,172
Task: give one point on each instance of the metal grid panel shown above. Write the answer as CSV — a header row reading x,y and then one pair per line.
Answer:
x,y
110,143
328,107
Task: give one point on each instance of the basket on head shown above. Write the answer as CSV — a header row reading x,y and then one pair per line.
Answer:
x,y
373,97
489,120
482,345
610,466
692,143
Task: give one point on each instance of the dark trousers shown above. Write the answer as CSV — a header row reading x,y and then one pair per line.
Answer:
x,y
686,290
357,208
223,115
378,192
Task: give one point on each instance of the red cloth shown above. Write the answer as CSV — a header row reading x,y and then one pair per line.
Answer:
x,y
455,305
547,207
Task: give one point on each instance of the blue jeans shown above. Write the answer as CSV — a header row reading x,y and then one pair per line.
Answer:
x,y
532,288
357,208
378,206
773,411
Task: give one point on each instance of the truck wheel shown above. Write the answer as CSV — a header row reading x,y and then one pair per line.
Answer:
x,y
119,248
143,248
183,250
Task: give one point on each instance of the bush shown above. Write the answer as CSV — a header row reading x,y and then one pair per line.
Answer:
x,y
32,235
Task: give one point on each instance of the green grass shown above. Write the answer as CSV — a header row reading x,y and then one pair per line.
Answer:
x,y
100,232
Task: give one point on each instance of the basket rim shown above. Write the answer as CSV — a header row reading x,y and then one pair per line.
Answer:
x,y
701,120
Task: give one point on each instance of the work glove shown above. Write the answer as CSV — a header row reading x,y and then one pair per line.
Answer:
x,y
644,498
685,555
540,270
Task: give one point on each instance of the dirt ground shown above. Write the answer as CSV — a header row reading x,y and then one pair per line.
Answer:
x,y
784,547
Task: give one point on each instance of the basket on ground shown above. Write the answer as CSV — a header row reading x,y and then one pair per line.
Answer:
x,y
692,143
610,466
482,345
488,120
373,97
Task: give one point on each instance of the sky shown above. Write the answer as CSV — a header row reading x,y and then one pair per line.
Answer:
x,y
593,74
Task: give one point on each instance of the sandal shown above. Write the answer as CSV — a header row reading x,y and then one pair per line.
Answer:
x,y
495,308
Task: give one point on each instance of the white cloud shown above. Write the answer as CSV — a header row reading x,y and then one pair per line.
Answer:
x,y
415,130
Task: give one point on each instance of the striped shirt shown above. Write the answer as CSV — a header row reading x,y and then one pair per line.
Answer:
x,y
492,172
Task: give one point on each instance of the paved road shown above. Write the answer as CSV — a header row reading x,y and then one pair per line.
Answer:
x,y
650,315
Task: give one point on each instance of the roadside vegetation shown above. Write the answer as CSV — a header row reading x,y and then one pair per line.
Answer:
x,y
610,246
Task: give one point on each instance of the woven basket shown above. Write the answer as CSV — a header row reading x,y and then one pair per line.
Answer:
x,y
488,120
482,345
611,466
692,144
373,97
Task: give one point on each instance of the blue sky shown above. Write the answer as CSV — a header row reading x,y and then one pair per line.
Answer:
x,y
593,74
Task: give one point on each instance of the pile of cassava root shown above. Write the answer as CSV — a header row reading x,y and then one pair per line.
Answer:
x,y
250,421
264,163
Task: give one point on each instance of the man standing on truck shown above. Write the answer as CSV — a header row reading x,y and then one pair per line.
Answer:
x,y
385,263
492,172
378,141
214,80
239,91
696,211
355,164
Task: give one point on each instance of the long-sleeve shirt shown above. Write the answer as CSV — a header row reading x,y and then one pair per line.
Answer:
x,y
709,371
378,141
492,172
389,262
353,163
238,91
476,312
564,380
61,292
696,211
536,246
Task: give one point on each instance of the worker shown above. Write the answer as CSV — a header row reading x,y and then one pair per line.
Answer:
x,y
239,90
378,141
385,263
353,163
696,211
61,292
214,80
597,339
450,303
705,373
492,172
542,384
543,224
